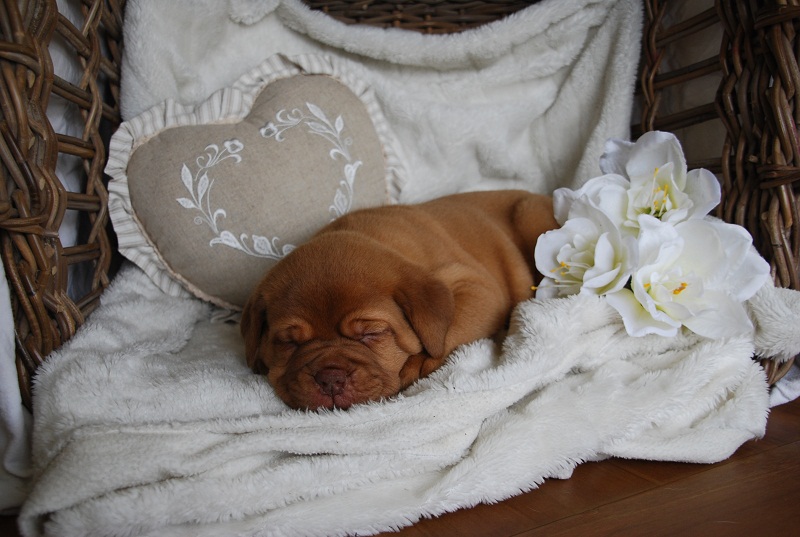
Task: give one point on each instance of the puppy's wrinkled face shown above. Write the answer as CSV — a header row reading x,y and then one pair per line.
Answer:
x,y
345,332
351,357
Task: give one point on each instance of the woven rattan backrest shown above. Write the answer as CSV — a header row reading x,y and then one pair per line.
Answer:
x,y
429,16
753,113
33,202
750,116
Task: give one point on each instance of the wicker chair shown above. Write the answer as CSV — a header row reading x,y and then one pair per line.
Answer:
x,y
33,201
755,109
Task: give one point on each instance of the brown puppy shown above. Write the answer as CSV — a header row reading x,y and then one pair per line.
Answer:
x,y
380,297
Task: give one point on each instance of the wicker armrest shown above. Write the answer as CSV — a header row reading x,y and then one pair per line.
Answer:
x,y
756,102
33,201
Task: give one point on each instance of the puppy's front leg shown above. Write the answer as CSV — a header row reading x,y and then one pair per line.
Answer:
x,y
418,366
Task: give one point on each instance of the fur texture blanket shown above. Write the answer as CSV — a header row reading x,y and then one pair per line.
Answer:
x,y
157,427
525,102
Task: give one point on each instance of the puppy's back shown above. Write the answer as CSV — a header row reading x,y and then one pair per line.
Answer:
x,y
474,220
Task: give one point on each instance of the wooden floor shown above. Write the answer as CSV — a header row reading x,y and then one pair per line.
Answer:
x,y
755,492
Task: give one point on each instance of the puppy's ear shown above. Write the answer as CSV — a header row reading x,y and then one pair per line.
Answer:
x,y
429,307
253,327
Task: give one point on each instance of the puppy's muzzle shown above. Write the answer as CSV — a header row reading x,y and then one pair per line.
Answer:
x,y
331,380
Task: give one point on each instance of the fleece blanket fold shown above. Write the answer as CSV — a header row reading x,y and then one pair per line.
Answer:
x,y
524,102
157,427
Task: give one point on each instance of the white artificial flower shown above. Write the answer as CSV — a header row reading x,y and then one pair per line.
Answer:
x,y
641,236
586,255
659,184
607,193
696,274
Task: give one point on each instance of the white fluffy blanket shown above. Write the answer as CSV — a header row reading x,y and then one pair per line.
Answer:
x,y
525,102
157,427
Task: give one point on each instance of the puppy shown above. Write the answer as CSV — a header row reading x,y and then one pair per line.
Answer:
x,y
380,297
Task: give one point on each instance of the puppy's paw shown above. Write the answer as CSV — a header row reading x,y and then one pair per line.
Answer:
x,y
416,367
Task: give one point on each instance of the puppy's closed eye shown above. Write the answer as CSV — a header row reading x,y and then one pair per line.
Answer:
x,y
369,331
285,345
295,333
374,337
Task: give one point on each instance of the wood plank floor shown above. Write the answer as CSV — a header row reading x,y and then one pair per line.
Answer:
x,y
755,492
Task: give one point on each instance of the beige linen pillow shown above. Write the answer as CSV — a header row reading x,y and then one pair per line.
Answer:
x,y
209,198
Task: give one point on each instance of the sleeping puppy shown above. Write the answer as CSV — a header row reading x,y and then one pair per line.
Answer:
x,y
380,297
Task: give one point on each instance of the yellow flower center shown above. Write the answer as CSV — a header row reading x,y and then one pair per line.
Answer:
x,y
681,288
562,268
660,200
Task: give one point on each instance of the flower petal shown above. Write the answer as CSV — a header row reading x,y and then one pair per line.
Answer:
x,y
547,289
608,193
704,249
616,155
638,322
606,267
653,150
752,275
728,317
703,189
659,242
548,247
723,255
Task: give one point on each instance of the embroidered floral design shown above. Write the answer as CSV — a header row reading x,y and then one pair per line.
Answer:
x,y
319,124
199,184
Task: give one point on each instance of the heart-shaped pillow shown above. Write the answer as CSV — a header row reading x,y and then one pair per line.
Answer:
x,y
208,198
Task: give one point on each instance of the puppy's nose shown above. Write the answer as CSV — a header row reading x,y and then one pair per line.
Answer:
x,y
331,380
